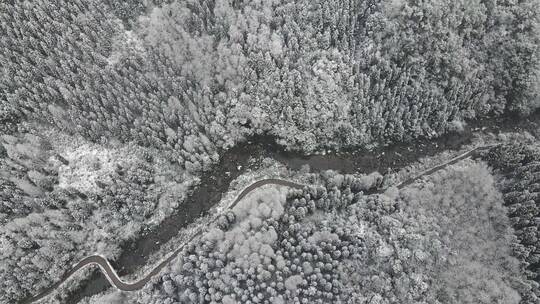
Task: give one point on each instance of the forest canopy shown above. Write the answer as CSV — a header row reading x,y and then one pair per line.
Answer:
x,y
446,240
190,77
111,112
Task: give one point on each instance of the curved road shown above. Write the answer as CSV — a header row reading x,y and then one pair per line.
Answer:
x,y
115,280
113,277
444,165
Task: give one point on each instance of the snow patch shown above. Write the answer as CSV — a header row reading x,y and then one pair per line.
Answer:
x,y
87,165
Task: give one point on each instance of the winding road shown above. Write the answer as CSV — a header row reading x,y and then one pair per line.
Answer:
x,y
444,165
113,277
115,280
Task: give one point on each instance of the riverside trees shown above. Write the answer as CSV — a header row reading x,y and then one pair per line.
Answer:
x,y
445,240
519,167
222,70
55,210
189,78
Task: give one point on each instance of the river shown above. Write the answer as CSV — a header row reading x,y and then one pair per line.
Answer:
x,y
216,181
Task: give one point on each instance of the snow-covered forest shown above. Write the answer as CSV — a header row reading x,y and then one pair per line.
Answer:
x,y
57,208
114,113
446,239
519,167
190,77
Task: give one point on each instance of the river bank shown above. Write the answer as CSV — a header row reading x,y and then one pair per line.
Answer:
x,y
241,157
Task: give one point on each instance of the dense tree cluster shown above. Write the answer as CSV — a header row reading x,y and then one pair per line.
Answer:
x,y
519,165
190,77
467,238
265,252
49,220
61,66
447,241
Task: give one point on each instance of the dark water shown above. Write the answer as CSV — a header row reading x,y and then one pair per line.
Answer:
x,y
217,180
